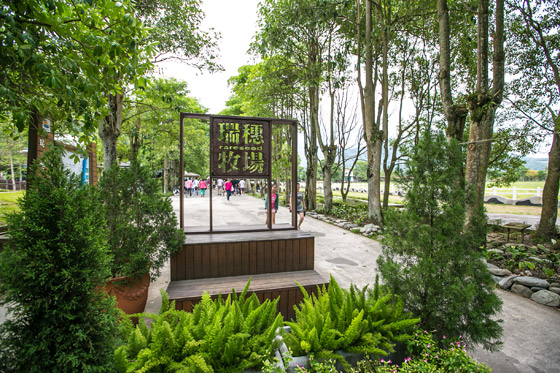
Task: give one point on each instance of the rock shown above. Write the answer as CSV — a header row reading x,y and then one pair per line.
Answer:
x,y
535,259
531,281
363,230
499,272
555,285
554,289
368,226
497,251
507,282
380,237
548,298
496,279
521,290
537,288
492,266
352,225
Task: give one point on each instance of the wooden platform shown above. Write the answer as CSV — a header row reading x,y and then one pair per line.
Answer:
x,y
266,286
218,263
238,254
236,228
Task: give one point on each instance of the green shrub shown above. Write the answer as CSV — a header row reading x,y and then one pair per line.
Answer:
x,y
366,321
430,259
428,355
222,335
142,226
49,272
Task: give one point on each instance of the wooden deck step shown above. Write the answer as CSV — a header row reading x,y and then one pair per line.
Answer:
x,y
187,293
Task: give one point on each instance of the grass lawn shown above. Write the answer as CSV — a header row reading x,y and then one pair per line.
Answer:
x,y
8,203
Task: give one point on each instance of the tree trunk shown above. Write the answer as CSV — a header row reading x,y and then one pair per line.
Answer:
x,y
311,173
483,105
110,130
549,213
373,136
165,174
327,184
456,115
12,170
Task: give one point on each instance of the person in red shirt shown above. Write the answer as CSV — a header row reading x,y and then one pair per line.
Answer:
x,y
228,187
202,186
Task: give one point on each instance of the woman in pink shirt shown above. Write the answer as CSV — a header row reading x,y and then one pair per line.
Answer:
x,y
202,186
228,187
188,186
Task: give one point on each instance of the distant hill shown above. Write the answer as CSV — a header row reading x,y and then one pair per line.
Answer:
x,y
538,164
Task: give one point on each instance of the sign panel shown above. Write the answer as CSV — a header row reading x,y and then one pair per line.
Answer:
x,y
240,147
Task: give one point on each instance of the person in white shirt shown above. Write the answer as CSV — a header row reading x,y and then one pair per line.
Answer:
x,y
241,186
220,184
195,187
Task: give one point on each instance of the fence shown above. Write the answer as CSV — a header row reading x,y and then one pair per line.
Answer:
x,y
8,185
511,193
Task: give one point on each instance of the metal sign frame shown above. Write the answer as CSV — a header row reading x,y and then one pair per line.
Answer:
x,y
266,124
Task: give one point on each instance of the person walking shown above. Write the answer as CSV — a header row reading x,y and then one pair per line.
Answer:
x,y
195,187
228,187
188,186
220,184
273,204
242,186
300,205
202,186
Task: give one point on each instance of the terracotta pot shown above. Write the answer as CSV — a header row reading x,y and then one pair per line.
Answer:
x,y
131,295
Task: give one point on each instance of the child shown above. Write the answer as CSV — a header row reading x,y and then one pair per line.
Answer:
x,y
274,204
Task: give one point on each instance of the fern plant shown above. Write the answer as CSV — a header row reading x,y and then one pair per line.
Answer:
x,y
228,335
365,321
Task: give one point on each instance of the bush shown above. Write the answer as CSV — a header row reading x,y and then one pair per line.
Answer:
x,y
366,321
430,259
428,355
142,226
222,335
49,272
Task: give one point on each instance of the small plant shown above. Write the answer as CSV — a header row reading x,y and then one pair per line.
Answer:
x,y
49,272
318,366
219,335
426,354
366,321
142,226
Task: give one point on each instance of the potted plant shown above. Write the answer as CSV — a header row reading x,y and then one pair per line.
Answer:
x,y
142,230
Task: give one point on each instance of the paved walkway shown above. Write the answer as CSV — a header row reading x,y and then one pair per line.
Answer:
x,y
531,331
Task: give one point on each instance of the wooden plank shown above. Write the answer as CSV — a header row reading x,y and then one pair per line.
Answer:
x,y
214,261
245,265
274,256
206,264
187,262
310,253
289,255
222,258
230,262
268,282
282,256
172,265
295,255
237,260
260,258
197,261
193,239
253,258
302,255
267,256
283,303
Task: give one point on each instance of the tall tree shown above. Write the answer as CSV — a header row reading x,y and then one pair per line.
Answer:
x,y
536,50
484,101
298,31
173,33
54,59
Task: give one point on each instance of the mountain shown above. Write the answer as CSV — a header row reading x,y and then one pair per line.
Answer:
x,y
534,163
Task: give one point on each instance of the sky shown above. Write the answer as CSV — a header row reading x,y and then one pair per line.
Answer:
x,y
236,21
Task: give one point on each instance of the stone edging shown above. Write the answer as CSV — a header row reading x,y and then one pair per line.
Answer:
x,y
534,288
367,230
